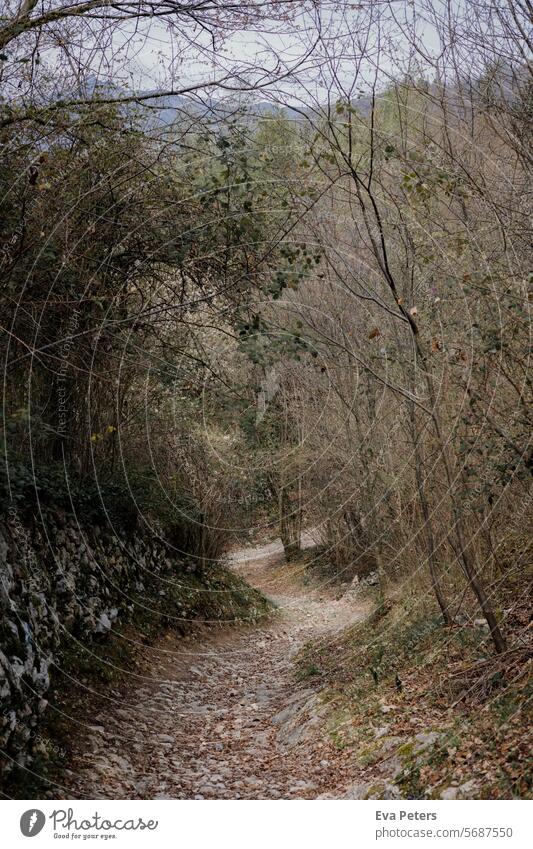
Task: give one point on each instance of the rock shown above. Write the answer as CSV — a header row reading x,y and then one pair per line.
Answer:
x,y
252,781
390,743
425,739
301,784
468,790
357,791
284,715
104,624
41,678
381,731
372,790
123,764
392,767
449,793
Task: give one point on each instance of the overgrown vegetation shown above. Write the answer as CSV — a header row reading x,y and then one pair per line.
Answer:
x,y
399,673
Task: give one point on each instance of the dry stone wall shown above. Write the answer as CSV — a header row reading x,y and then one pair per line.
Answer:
x,y
61,581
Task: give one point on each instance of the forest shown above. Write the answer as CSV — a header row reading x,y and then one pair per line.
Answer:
x,y
265,327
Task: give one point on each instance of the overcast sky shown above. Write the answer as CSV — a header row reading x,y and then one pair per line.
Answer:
x,y
154,57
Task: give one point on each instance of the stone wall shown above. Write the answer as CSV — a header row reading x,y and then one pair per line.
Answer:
x,y
60,582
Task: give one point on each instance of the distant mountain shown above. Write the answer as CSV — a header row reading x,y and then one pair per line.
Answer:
x,y
163,111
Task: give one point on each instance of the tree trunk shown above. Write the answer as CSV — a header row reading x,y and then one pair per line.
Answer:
x,y
428,528
289,524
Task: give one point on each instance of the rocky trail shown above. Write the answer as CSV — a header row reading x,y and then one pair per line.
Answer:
x,y
219,714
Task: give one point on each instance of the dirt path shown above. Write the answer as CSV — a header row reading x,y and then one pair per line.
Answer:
x,y
220,715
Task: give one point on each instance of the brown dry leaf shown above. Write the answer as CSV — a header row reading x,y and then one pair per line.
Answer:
x,y
374,333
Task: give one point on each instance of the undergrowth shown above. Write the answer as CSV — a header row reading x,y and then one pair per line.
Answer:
x,y
401,672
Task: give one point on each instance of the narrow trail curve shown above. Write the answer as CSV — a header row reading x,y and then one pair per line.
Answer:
x,y
219,715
